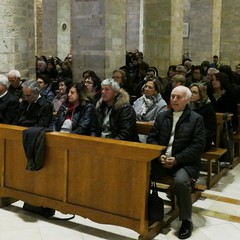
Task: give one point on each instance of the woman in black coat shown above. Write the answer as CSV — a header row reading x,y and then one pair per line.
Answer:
x,y
222,97
201,104
77,114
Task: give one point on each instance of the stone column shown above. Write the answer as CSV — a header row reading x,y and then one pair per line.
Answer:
x,y
17,42
216,32
163,33
98,36
63,28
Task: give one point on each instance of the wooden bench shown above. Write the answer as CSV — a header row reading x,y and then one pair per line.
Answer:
x,y
104,180
211,157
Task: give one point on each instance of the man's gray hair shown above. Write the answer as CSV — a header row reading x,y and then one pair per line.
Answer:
x,y
111,82
4,81
14,73
32,84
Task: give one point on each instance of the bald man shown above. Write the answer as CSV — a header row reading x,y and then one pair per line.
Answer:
x,y
183,132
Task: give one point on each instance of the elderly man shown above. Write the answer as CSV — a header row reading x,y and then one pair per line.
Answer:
x,y
117,118
182,131
8,102
15,81
35,110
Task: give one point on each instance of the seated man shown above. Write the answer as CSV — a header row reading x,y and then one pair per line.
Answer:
x,y
8,102
15,81
34,110
183,132
116,117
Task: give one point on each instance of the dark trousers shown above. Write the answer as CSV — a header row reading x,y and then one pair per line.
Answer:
x,y
181,187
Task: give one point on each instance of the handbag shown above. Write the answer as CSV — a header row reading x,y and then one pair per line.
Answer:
x,y
43,211
155,205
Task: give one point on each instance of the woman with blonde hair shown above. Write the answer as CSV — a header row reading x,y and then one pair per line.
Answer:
x,y
201,104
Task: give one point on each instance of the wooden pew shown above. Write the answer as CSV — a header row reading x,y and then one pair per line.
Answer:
x,y
104,180
211,157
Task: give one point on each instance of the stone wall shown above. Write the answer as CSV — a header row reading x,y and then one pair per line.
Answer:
x,y
17,36
98,36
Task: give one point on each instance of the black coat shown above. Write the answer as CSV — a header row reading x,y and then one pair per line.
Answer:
x,y
8,108
82,119
122,119
210,121
37,114
189,139
226,104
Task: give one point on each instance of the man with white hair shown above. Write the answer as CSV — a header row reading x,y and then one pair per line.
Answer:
x,y
8,102
116,117
15,81
183,132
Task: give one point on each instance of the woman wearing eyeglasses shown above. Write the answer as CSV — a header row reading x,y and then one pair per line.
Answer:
x,y
201,104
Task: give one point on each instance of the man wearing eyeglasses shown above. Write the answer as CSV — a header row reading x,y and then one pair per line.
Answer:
x,y
183,132
34,110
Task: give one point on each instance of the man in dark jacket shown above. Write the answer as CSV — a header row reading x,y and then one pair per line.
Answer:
x,y
34,110
116,117
183,132
8,102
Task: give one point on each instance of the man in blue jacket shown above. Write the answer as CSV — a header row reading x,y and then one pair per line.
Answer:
x,y
183,132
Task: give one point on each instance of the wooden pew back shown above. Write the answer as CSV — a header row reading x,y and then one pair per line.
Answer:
x,y
102,179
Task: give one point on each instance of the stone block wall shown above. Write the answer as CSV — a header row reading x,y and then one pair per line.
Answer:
x,y
17,42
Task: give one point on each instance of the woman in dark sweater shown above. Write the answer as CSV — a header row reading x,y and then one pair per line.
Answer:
x,y
201,104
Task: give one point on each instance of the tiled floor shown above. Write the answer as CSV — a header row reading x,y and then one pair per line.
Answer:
x,y
216,216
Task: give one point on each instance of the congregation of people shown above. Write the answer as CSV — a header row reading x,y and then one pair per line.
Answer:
x,y
182,106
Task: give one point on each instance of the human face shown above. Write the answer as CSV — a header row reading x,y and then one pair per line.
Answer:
x,y
197,74
195,94
108,94
41,83
176,83
178,99
150,74
62,88
117,76
210,75
149,89
216,83
3,89
28,95
89,84
238,69
14,81
73,96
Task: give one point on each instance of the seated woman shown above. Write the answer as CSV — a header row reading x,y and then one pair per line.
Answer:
x,y
45,86
93,84
77,113
61,97
222,97
151,103
201,104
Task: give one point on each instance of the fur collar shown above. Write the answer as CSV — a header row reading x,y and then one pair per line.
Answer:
x,y
121,99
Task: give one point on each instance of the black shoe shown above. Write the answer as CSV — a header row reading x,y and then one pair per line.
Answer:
x,y
185,230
